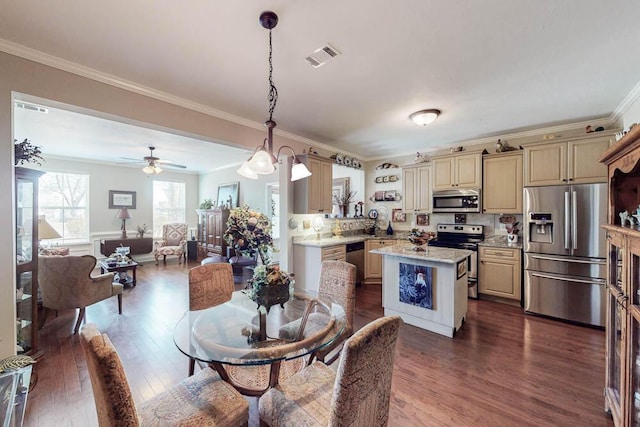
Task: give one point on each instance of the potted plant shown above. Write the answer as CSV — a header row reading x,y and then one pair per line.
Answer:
x,y
26,152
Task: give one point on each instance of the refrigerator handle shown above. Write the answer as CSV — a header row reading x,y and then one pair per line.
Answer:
x,y
567,216
599,282
574,220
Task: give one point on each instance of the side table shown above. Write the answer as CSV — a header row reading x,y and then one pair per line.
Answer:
x,y
192,250
125,279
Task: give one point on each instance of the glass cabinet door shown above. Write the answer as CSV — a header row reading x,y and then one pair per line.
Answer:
x,y
24,220
616,325
634,332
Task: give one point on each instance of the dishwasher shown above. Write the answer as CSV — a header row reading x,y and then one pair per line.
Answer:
x,y
355,256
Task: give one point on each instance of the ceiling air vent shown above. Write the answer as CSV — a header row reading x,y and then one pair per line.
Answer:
x,y
31,107
321,56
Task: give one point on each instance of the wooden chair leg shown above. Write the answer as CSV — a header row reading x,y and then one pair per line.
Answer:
x,y
45,310
119,303
164,259
80,317
192,365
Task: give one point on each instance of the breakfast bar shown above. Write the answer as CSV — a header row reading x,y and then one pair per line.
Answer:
x,y
427,288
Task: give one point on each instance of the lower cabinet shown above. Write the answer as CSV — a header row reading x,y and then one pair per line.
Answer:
x,y
373,262
500,272
307,261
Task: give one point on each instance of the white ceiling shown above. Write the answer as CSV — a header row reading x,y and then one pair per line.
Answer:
x,y
491,66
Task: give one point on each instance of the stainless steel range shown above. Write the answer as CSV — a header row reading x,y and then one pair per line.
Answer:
x,y
462,236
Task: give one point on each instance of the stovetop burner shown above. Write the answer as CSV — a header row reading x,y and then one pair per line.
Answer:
x,y
462,236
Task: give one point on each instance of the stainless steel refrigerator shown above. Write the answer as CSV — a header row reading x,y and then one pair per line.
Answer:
x,y
565,248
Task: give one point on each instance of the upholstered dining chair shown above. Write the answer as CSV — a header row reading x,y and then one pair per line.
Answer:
x,y
209,285
65,282
357,394
174,242
201,400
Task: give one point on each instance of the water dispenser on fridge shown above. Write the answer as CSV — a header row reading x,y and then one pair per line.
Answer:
x,y
540,228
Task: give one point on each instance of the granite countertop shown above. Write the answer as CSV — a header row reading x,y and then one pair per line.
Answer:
x,y
431,253
331,241
500,241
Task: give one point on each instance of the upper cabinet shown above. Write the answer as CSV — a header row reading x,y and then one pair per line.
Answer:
x,y
416,188
567,162
502,183
313,194
462,171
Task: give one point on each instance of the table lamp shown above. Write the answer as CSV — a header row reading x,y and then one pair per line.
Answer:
x,y
45,230
123,214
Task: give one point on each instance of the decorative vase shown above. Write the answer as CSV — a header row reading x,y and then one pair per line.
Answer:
x,y
389,229
270,286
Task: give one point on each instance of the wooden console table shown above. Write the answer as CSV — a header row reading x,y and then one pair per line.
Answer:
x,y
137,245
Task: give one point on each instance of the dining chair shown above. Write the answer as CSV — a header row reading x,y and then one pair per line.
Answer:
x,y
203,399
209,285
357,393
65,282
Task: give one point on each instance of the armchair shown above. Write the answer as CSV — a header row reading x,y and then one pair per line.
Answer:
x,y
66,283
174,242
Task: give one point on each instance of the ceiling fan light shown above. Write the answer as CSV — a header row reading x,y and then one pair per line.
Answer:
x,y
148,169
158,169
262,162
299,170
424,117
246,171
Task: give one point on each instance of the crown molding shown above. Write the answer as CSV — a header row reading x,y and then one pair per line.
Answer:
x,y
622,108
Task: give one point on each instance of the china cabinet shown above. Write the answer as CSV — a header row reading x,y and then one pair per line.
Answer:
x,y
314,194
574,161
416,188
622,378
373,262
27,261
460,171
212,223
502,183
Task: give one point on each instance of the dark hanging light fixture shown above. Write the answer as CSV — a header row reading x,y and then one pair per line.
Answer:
x,y
263,161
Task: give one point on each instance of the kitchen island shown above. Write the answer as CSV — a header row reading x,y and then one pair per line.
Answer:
x,y
428,289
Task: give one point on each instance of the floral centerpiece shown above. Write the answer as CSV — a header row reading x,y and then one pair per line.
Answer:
x,y
419,238
249,233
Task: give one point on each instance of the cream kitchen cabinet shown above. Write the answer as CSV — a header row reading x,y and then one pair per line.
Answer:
x,y
416,188
500,272
307,261
502,183
373,262
574,161
462,171
313,194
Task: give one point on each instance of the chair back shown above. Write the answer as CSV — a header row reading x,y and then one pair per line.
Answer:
x,y
363,381
209,285
338,281
64,280
174,234
114,402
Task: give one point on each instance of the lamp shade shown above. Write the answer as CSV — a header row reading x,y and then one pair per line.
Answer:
x,y
424,117
261,162
299,170
246,171
45,230
123,213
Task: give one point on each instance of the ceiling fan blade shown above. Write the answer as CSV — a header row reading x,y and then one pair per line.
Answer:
x,y
133,160
170,164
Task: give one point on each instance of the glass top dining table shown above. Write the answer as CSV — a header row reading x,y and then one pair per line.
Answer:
x,y
239,332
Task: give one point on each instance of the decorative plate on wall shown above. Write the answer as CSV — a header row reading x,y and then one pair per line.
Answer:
x,y
373,213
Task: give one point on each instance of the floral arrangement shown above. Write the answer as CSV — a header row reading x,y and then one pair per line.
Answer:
x,y
249,232
344,199
142,229
271,276
25,152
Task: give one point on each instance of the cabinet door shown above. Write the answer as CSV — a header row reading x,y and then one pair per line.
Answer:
x,y
584,166
545,164
373,262
502,184
499,273
423,192
468,171
409,189
443,174
315,190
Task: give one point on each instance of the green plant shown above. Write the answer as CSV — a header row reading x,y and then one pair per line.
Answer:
x,y
25,152
207,204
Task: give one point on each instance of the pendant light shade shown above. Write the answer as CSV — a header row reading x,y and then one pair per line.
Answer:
x,y
424,117
263,161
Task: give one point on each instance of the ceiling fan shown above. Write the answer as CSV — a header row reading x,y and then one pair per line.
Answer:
x,y
154,163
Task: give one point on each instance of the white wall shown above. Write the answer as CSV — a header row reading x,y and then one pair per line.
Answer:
x,y
632,115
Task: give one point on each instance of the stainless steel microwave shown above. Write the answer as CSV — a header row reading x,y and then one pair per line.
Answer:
x,y
460,200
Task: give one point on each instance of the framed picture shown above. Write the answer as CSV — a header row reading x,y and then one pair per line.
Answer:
x,y
379,196
122,199
228,192
389,196
422,219
461,267
398,216
416,285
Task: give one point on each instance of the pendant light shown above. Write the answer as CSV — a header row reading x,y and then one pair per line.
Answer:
x,y
263,161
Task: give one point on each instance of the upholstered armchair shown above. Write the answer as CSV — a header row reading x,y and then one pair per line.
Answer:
x,y
66,283
174,242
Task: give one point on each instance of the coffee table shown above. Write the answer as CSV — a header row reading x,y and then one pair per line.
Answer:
x,y
125,279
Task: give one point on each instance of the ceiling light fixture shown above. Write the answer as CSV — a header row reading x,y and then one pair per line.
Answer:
x,y
262,161
152,168
424,117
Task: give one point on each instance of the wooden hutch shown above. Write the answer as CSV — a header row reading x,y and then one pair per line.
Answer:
x,y
212,223
622,382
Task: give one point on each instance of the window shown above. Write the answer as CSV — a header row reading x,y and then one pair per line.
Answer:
x,y
169,204
64,200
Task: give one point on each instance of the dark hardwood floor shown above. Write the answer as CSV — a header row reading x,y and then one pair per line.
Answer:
x,y
503,368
